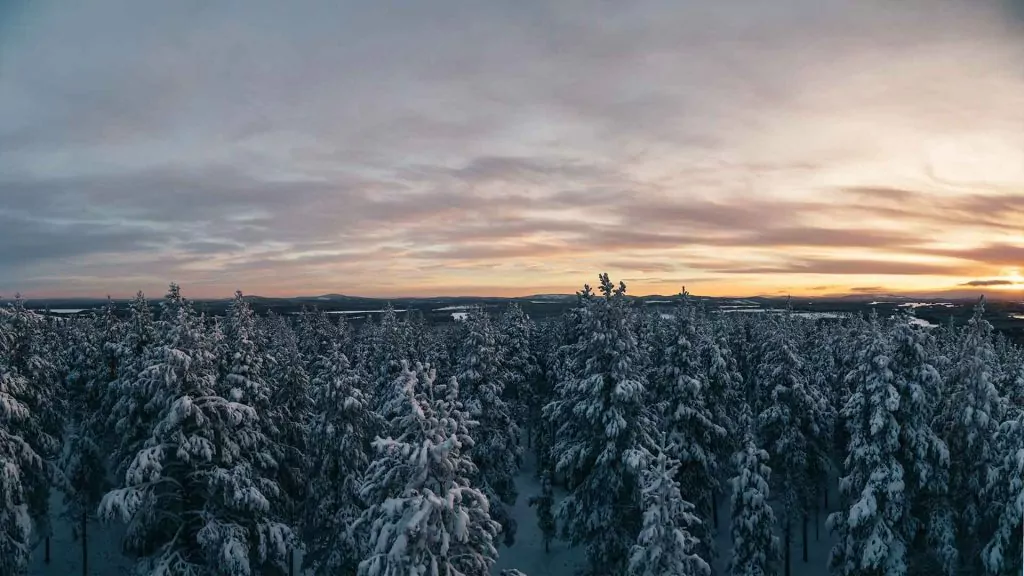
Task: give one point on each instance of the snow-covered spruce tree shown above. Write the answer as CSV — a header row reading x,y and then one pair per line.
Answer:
x,y
1003,555
723,395
664,545
969,420
424,515
194,499
316,335
792,428
389,344
872,525
339,448
929,523
695,438
21,464
519,367
131,415
562,339
544,502
755,549
43,396
92,367
604,434
293,404
496,451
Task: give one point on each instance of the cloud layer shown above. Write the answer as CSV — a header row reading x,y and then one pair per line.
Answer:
x,y
399,148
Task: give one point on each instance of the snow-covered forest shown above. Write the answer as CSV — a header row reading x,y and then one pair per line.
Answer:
x,y
627,441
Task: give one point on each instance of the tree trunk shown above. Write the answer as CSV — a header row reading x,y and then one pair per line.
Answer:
x,y
291,562
786,552
826,497
85,544
547,546
804,535
714,510
817,525
46,557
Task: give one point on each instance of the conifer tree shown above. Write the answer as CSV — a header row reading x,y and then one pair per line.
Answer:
x,y
194,498
971,416
929,525
43,397
695,438
755,545
292,401
424,516
496,453
604,433
93,366
545,518
1002,555
339,443
664,545
131,411
21,463
872,525
793,429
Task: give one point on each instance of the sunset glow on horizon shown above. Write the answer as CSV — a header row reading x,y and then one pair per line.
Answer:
x,y
804,147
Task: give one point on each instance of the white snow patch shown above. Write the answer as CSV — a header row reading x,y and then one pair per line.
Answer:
x,y
448,308
67,310
922,322
460,315
1017,316
658,301
926,304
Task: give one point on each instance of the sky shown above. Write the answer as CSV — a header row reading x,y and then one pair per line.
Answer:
x,y
450,147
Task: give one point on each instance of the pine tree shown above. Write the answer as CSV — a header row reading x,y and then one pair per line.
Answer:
x,y
131,412
339,444
43,396
923,455
792,427
21,462
497,453
1003,555
604,433
195,499
425,517
518,364
872,526
545,518
755,545
664,545
292,401
93,365
695,438
968,424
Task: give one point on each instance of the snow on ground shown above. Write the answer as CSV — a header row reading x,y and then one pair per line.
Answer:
x,y
460,315
1017,316
105,558
449,308
527,554
923,322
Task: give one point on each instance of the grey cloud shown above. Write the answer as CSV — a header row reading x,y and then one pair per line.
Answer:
x,y
239,132
988,283
845,267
